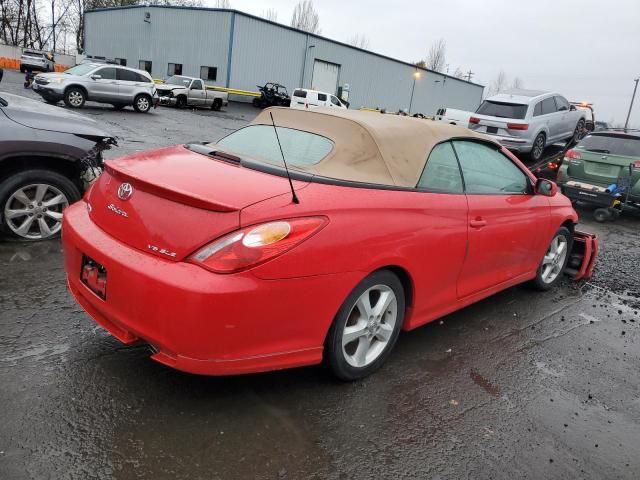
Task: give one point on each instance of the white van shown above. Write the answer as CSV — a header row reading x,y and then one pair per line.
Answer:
x,y
453,116
303,98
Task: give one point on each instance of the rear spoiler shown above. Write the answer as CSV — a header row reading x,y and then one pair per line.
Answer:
x,y
583,255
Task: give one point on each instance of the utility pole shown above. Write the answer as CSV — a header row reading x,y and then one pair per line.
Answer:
x,y
626,124
53,24
469,75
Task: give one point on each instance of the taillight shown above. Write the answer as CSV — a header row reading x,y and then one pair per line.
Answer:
x,y
474,120
572,155
254,245
518,126
636,164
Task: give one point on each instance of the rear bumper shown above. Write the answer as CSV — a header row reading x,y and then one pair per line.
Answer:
x,y
198,321
583,255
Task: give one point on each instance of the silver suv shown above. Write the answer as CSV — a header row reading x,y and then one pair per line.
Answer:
x,y
34,61
114,84
527,121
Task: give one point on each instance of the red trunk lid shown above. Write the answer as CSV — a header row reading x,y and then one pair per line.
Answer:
x,y
180,199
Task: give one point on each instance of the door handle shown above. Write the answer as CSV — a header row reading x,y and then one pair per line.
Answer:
x,y
478,222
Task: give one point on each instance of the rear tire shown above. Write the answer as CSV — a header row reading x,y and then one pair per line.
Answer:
x,y
366,327
55,193
216,105
578,133
142,103
74,97
538,147
554,261
602,214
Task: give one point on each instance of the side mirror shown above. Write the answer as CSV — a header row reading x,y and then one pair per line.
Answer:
x,y
96,77
546,187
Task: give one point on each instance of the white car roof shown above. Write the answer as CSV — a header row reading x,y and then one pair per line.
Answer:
x,y
520,96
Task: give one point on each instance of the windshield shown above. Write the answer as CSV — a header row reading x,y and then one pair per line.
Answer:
x,y
80,69
259,141
503,110
177,80
624,145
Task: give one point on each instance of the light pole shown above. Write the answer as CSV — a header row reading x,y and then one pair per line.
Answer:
x,y
626,124
416,75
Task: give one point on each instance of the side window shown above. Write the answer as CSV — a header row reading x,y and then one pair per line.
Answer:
x,y
108,73
442,173
562,104
537,111
209,73
322,97
486,170
335,101
127,75
196,85
548,106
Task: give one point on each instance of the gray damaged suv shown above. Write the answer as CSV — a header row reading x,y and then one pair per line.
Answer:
x,y
114,84
48,158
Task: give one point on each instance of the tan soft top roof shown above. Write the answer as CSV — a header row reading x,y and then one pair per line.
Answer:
x,y
370,147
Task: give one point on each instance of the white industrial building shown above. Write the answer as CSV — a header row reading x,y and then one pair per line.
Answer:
x,y
233,49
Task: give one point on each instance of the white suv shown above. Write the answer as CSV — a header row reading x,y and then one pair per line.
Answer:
x,y
527,121
33,61
114,84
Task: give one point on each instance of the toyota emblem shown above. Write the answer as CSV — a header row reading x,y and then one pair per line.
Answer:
x,y
125,191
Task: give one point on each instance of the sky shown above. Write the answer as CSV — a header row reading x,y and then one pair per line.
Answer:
x,y
586,50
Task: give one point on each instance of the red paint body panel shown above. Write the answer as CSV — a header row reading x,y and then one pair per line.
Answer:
x,y
454,250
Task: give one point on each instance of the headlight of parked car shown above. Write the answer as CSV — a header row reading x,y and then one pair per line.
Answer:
x,y
56,80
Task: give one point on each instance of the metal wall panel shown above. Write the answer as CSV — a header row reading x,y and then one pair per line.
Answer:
x,y
266,52
191,37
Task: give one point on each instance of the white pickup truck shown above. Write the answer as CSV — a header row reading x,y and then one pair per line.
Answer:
x,y
184,92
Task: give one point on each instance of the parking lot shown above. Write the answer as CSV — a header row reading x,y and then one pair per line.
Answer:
x,y
520,385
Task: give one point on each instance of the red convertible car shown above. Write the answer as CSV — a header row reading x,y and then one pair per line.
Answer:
x,y
224,263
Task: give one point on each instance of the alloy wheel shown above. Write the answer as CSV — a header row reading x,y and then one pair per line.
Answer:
x,y
553,261
34,211
143,104
75,98
538,147
369,326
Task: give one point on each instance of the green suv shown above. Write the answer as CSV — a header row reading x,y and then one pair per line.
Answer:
x,y
599,169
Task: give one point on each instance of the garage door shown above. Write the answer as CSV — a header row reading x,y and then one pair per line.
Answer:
x,y
325,76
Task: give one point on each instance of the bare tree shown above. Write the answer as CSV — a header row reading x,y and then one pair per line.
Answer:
x,y
458,73
421,64
270,14
517,83
222,4
499,84
436,58
360,41
305,17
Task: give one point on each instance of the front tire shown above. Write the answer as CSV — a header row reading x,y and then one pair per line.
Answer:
x,y
32,202
366,327
74,97
554,261
142,103
181,101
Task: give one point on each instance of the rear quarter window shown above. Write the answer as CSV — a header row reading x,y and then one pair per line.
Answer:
x,y
623,145
300,93
259,142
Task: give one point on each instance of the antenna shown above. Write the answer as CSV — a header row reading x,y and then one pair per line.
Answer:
x,y
294,197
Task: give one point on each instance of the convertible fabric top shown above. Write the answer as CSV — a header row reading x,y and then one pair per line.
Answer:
x,y
369,147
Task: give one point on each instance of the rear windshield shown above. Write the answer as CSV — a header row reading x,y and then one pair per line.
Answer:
x,y
300,93
33,54
625,145
259,141
80,69
503,110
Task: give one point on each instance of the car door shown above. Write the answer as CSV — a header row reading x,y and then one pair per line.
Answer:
x,y
335,103
128,81
505,218
103,86
197,96
566,118
442,232
553,119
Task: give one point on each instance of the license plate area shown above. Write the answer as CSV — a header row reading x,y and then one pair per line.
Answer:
x,y
492,129
94,276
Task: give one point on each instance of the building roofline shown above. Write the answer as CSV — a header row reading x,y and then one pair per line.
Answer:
x,y
256,17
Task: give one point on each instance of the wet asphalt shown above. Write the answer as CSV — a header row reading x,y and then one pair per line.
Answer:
x,y
521,385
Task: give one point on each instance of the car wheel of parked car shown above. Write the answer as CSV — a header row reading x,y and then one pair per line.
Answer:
x,y
216,105
555,260
142,103
578,132
74,97
538,147
366,327
32,202
181,101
